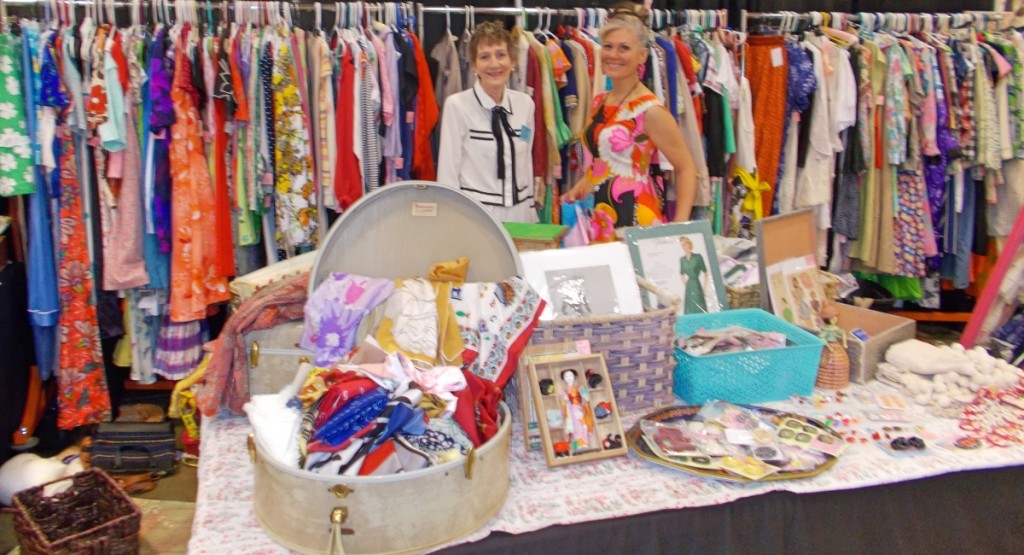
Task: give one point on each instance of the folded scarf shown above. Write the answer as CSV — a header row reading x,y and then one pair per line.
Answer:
x,y
227,375
352,417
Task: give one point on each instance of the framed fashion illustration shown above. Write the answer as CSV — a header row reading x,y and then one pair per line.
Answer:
x,y
681,258
796,292
580,282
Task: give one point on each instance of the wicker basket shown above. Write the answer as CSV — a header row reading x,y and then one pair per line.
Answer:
x,y
750,296
94,515
638,348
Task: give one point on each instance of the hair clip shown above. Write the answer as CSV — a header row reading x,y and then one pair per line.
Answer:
x,y
547,387
602,410
593,378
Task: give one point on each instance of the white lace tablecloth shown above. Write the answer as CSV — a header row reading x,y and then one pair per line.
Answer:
x,y
540,496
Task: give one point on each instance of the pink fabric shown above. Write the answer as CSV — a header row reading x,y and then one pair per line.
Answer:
x,y
125,267
115,165
386,93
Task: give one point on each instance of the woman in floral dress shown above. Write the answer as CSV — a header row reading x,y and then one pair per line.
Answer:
x,y
628,128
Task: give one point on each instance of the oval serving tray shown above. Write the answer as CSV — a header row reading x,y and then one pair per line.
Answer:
x,y
639,446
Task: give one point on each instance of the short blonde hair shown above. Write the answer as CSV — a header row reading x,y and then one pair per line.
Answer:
x,y
685,239
491,32
631,16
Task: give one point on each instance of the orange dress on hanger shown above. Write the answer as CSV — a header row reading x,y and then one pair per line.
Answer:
x,y
194,280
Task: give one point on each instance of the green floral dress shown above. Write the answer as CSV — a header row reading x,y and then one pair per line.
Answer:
x,y
16,176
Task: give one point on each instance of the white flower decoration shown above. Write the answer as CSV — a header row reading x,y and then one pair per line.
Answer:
x,y
332,340
12,85
7,162
5,64
7,110
22,151
30,176
7,186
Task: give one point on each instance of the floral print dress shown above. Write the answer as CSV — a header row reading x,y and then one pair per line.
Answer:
x,y
194,280
618,158
16,176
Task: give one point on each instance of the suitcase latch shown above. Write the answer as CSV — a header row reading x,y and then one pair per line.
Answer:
x,y
340,491
470,462
254,354
250,443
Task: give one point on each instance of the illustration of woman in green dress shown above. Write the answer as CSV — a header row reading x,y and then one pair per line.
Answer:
x,y
691,268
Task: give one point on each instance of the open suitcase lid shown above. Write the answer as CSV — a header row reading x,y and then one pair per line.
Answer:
x,y
402,229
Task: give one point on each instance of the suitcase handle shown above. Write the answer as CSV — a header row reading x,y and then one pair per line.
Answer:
x,y
123,448
338,517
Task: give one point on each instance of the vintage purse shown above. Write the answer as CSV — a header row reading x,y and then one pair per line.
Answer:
x,y
133,447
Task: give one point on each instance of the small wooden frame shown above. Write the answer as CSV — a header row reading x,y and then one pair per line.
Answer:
x,y
553,433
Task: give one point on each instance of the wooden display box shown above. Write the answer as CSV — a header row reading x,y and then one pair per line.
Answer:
x,y
883,330
554,434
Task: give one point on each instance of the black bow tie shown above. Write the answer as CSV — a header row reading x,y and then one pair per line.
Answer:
x,y
500,128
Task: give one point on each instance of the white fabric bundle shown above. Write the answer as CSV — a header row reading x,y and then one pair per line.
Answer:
x,y
922,358
29,470
276,425
944,377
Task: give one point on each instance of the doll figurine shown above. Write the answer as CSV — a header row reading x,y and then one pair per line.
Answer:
x,y
834,369
576,412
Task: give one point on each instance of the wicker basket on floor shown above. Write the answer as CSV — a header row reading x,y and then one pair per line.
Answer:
x,y
93,515
638,348
750,297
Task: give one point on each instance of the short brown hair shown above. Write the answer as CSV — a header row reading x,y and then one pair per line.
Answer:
x,y
490,32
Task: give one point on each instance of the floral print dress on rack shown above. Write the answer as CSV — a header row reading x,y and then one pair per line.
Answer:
x,y
618,157
16,176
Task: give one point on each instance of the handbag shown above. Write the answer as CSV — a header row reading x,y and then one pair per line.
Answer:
x,y
133,447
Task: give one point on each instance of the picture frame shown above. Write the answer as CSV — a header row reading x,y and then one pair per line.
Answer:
x,y
580,282
658,254
796,292
579,419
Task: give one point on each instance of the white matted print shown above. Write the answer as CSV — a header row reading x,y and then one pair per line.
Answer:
x,y
595,280
681,259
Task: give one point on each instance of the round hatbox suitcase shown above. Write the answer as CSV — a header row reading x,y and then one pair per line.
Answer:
x,y
398,231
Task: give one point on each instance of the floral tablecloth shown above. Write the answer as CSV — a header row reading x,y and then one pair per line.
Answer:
x,y
540,496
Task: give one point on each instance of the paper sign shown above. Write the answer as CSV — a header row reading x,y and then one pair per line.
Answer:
x,y
583,347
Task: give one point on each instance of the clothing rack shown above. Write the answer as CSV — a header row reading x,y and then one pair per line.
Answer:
x,y
707,19
198,9
895,21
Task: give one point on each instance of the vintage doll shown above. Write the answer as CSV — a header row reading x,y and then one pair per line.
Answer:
x,y
576,412
834,369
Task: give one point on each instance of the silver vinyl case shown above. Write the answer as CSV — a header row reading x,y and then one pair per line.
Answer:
x,y
396,232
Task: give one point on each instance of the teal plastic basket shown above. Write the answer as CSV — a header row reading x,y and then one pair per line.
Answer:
x,y
748,376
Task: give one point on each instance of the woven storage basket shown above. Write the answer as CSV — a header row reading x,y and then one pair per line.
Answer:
x,y
637,348
94,515
750,296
